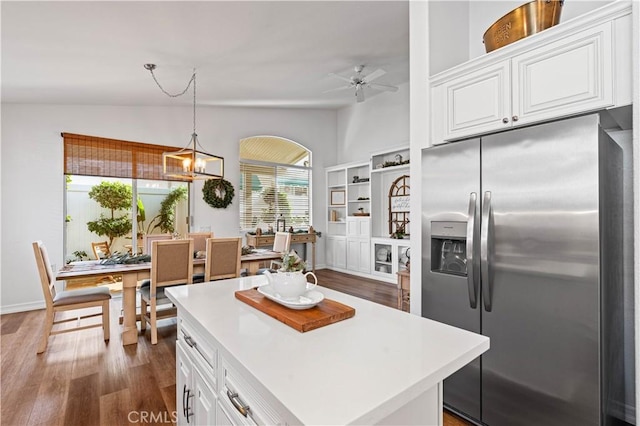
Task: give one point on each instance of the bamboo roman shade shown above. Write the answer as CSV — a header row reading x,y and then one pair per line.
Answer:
x,y
95,156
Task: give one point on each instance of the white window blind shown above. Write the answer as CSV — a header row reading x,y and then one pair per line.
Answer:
x,y
270,190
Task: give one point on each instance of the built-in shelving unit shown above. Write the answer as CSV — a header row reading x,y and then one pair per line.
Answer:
x,y
389,257
382,178
358,230
358,189
336,203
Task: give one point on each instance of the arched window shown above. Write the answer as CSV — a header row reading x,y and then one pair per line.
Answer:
x,y
275,181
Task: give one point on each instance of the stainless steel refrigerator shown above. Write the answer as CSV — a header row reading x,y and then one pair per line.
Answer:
x,y
522,243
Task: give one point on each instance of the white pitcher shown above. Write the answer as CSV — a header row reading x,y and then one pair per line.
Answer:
x,y
291,285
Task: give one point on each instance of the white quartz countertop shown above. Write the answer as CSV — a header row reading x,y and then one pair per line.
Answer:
x,y
355,371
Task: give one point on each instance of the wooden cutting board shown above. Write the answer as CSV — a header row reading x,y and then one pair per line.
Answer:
x,y
325,313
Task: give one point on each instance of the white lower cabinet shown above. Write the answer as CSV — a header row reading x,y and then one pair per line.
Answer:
x,y
202,398
389,257
223,419
359,244
196,377
241,401
195,388
359,255
336,252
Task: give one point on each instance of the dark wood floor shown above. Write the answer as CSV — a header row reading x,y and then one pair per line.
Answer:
x,y
376,291
80,380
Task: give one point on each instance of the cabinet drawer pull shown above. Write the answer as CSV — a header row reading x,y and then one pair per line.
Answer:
x,y
239,405
505,120
514,118
186,405
189,340
184,401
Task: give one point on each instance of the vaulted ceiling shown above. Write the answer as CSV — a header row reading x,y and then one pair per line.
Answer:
x,y
246,53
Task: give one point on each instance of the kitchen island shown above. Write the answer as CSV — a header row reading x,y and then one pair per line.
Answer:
x,y
237,365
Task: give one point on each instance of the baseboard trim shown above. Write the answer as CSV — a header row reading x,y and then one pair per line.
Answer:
x,y
21,307
385,280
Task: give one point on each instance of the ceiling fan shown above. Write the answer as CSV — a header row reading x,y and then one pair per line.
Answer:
x,y
359,82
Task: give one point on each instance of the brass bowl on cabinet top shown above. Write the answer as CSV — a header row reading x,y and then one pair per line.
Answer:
x,y
530,18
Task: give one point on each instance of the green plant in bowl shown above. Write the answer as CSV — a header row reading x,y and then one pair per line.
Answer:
x,y
291,262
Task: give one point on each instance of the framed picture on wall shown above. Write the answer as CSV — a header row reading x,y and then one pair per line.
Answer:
x,y
338,197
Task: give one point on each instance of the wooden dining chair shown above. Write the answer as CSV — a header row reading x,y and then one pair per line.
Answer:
x,y
148,239
223,259
200,240
171,264
199,246
101,249
281,244
68,300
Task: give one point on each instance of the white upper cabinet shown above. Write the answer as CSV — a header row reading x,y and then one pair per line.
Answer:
x,y
569,76
563,71
477,102
358,227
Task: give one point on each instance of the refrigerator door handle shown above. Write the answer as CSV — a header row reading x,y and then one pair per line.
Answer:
x,y
472,277
485,242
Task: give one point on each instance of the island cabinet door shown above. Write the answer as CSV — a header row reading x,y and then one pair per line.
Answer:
x,y
204,401
184,377
242,403
195,395
222,418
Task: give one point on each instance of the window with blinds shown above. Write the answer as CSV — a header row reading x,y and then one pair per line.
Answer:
x,y
269,189
94,156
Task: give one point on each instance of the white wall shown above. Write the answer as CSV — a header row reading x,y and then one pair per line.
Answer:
x,y
32,203
456,28
420,66
380,122
448,28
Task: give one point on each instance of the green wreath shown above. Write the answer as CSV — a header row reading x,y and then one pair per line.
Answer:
x,y
218,193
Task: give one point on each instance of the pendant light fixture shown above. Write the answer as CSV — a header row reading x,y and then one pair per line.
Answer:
x,y
191,162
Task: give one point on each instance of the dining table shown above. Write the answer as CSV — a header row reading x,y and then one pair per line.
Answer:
x,y
135,272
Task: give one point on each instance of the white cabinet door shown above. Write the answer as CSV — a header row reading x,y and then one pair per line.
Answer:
x,y
195,392
330,251
352,226
223,419
184,374
204,400
358,255
336,252
358,244
568,76
340,251
358,227
477,102
364,253
353,254
364,227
